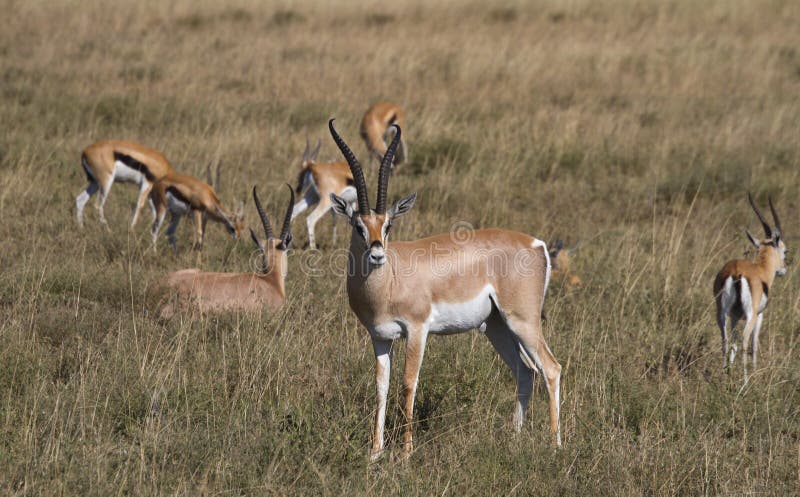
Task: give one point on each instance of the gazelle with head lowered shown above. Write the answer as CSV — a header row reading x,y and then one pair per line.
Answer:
x,y
182,194
316,182
495,280
110,161
377,128
212,292
742,287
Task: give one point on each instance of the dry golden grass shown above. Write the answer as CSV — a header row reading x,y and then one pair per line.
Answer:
x,y
636,127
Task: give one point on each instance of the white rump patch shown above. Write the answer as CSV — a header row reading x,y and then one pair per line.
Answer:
x,y
539,243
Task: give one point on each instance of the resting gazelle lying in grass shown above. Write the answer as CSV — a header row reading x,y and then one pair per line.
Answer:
x,y
110,161
741,288
496,282
213,292
181,194
316,182
377,128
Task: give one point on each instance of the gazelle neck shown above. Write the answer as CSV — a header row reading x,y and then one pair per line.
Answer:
x,y
767,262
276,271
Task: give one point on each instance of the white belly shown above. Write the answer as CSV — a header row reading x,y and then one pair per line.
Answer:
x,y
176,206
456,317
125,174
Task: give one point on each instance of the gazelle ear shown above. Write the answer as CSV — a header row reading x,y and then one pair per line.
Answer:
x,y
341,206
402,206
752,239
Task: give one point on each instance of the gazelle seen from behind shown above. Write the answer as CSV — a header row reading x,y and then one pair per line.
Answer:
x,y
377,128
316,182
110,161
742,287
495,281
212,292
181,194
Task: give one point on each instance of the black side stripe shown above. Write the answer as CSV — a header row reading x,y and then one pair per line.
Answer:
x,y
134,164
177,194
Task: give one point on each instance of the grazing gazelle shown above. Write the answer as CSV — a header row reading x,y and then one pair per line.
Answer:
x,y
741,288
316,182
108,161
182,194
377,129
212,292
561,258
495,280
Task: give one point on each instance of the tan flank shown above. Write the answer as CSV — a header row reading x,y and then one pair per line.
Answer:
x,y
376,129
214,292
316,182
109,161
493,280
742,287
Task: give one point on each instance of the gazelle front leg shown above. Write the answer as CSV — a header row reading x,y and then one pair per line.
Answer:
x,y
415,349
198,230
383,370
756,329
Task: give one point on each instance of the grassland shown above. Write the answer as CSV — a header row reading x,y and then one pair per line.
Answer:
x,y
635,127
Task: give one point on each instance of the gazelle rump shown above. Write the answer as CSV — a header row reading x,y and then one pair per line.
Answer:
x,y
110,161
317,180
495,281
212,292
742,287
377,128
182,194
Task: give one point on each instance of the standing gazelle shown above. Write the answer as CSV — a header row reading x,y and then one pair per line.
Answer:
x,y
495,280
741,288
182,194
377,127
317,180
212,292
109,161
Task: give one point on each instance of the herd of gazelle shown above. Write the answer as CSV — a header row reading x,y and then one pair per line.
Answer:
x,y
496,280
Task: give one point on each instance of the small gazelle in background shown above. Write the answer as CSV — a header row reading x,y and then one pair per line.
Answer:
x,y
213,292
561,259
742,287
316,182
183,194
377,129
110,161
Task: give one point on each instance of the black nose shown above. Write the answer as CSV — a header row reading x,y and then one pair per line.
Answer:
x,y
376,245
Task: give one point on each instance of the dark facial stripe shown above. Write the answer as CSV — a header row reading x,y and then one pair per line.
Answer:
x,y
134,164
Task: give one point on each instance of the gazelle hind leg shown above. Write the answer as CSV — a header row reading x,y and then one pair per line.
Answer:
x,y
506,346
101,202
754,346
322,208
82,199
532,345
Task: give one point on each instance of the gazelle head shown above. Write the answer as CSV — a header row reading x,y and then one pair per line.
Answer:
x,y
771,248
273,250
371,226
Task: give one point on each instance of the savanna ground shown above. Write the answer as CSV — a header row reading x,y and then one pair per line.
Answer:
x,y
634,127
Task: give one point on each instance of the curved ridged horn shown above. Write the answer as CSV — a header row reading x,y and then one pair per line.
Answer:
x,y
263,216
764,223
315,152
305,152
385,171
355,167
775,218
287,220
